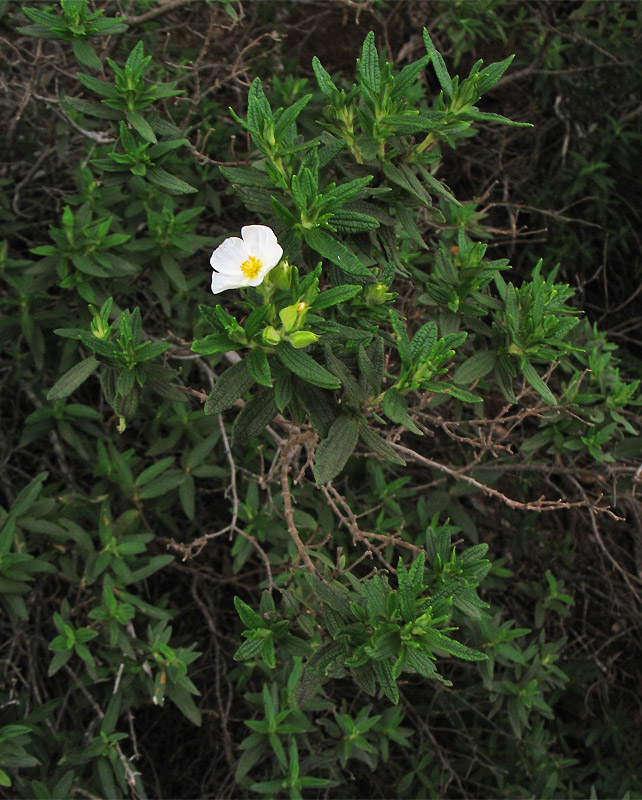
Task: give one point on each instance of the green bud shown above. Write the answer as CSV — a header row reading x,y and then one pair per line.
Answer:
x,y
268,134
288,317
377,294
281,275
300,339
293,316
271,336
99,326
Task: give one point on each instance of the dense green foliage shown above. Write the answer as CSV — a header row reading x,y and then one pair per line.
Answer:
x,y
370,524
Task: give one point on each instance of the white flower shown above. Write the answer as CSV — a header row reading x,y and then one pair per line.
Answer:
x,y
246,261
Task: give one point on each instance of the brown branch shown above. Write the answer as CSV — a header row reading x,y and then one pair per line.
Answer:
x,y
350,521
539,505
162,8
598,538
288,452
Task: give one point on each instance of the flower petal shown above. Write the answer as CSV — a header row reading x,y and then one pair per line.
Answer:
x,y
222,282
261,242
229,255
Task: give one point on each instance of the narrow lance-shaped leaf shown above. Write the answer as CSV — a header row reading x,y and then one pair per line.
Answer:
x,y
234,382
334,251
306,367
378,445
383,671
258,412
440,67
531,375
333,452
406,593
248,615
72,379
368,64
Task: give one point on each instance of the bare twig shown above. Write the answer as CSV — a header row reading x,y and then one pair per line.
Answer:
x,y
129,773
162,8
538,505
598,538
289,451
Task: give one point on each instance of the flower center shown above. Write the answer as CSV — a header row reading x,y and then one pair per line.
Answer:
x,y
251,267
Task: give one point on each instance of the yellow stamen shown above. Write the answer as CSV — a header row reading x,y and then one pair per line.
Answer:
x,y
251,267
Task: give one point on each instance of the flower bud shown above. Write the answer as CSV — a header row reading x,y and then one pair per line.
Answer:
x,y
271,336
281,275
300,339
293,316
377,293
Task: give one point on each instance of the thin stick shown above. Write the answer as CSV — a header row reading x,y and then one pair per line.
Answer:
x,y
286,458
539,505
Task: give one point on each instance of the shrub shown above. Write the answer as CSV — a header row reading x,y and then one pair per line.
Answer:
x,y
235,515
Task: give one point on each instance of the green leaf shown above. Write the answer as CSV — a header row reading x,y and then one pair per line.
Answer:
x,y
401,179
333,452
109,721
318,405
378,445
531,375
103,88
395,406
329,595
72,379
348,221
187,496
363,676
136,58
335,251
258,412
306,367
245,176
455,648
437,186
416,573
421,663
335,197
248,615
86,54
249,649
140,124
153,471
512,307
383,672
170,183
185,703
258,108
326,85
233,383
477,366
440,67
406,593
334,296
403,341
407,77
423,341
27,496
267,652
162,485
259,367
214,343
368,64
492,73
289,116
58,662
